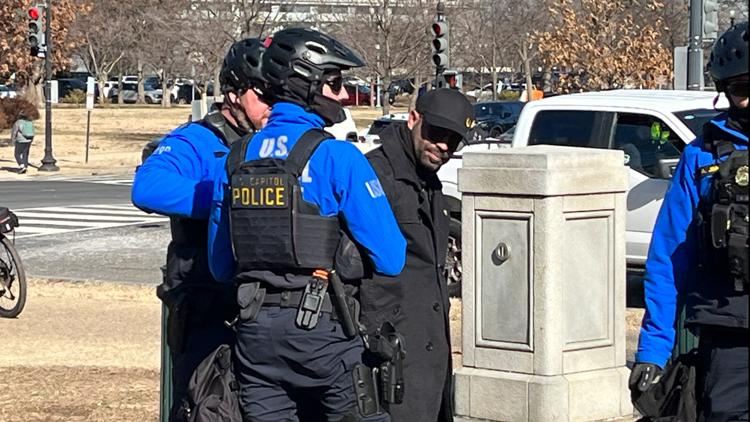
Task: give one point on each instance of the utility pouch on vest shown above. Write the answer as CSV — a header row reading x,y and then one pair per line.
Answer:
x,y
308,313
728,212
250,299
272,227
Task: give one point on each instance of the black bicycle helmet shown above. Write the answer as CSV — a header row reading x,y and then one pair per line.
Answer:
x,y
729,55
243,67
296,63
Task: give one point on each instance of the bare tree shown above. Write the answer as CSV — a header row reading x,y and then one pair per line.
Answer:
x,y
391,38
107,32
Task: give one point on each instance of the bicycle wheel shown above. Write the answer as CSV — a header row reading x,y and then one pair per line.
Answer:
x,y
12,280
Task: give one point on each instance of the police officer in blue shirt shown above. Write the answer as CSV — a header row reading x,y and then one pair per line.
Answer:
x,y
699,251
278,216
177,180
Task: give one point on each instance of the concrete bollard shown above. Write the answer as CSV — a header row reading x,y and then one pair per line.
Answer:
x,y
543,286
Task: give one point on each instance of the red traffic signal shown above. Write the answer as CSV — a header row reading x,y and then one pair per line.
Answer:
x,y
34,13
439,28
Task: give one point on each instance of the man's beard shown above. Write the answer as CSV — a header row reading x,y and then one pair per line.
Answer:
x,y
243,123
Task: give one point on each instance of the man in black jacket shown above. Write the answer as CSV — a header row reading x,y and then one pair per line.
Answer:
x,y
416,301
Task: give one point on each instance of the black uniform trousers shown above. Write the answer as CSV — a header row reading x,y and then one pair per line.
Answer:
x,y
723,375
282,368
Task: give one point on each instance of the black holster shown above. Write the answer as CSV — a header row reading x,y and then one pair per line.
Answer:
x,y
389,347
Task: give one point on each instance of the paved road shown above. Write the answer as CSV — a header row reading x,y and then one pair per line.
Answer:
x,y
85,228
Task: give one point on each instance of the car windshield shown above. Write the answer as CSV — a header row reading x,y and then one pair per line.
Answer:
x,y
485,110
695,119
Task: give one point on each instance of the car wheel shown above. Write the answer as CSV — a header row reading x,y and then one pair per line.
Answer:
x,y
453,268
182,100
495,132
148,100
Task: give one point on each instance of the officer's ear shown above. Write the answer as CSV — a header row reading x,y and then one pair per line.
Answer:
x,y
413,119
232,97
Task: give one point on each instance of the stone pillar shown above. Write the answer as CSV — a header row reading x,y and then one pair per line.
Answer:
x,y
543,286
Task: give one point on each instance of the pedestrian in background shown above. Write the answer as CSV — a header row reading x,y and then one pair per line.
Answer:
x,y
699,252
177,180
22,113
22,134
416,301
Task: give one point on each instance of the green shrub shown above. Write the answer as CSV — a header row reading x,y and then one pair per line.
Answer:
x,y
75,96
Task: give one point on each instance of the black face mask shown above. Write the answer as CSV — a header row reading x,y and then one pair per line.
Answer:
x,y
738,118
330,110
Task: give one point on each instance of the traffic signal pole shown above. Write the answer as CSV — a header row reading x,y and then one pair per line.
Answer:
x,y
440,45
48,162
695,48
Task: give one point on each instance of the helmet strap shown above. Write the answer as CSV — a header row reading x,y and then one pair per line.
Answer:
x,y
237,110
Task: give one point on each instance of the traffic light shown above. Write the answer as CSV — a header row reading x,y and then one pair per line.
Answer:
x,y
710,19
441,44
36,30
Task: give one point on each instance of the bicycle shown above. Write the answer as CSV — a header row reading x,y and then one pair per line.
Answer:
x,y
12,275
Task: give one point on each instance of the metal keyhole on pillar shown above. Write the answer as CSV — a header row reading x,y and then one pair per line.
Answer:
x,y
501,253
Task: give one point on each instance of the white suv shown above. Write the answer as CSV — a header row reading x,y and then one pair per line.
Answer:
x,y
651,126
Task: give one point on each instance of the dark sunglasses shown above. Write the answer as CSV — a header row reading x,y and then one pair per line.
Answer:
x,y
336,83
438,135
739,88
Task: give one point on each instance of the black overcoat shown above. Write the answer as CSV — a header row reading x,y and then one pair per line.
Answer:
x,y
416,301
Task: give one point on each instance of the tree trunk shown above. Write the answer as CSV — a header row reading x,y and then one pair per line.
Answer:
x,y
141,91
494,73
120,97
529,85
217,83
166,97
417,86
101,81
384,94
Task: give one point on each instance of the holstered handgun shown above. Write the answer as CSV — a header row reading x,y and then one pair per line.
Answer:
x,y
389,345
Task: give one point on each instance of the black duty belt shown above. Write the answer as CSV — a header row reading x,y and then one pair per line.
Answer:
x,y
292,299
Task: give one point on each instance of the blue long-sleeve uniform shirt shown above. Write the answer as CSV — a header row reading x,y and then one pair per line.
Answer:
x,y
672,261
338,179
177,179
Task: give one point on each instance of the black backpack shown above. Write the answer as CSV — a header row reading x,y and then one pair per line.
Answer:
x,y
212,392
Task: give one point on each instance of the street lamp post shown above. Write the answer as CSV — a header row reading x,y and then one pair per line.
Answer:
x,y
731,18
48,162
377,83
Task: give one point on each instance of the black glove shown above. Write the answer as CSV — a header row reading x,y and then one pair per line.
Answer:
x,y
643,376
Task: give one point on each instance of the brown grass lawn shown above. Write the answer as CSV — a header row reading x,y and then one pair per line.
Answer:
x,y
117,135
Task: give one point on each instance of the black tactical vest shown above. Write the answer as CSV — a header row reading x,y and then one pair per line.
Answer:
x,y
272,227
725,216
720,296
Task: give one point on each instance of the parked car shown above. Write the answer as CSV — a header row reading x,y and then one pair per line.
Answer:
x,y
186,94
67,85
652,127
152,94
496,117
363,91
7,92
372,132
